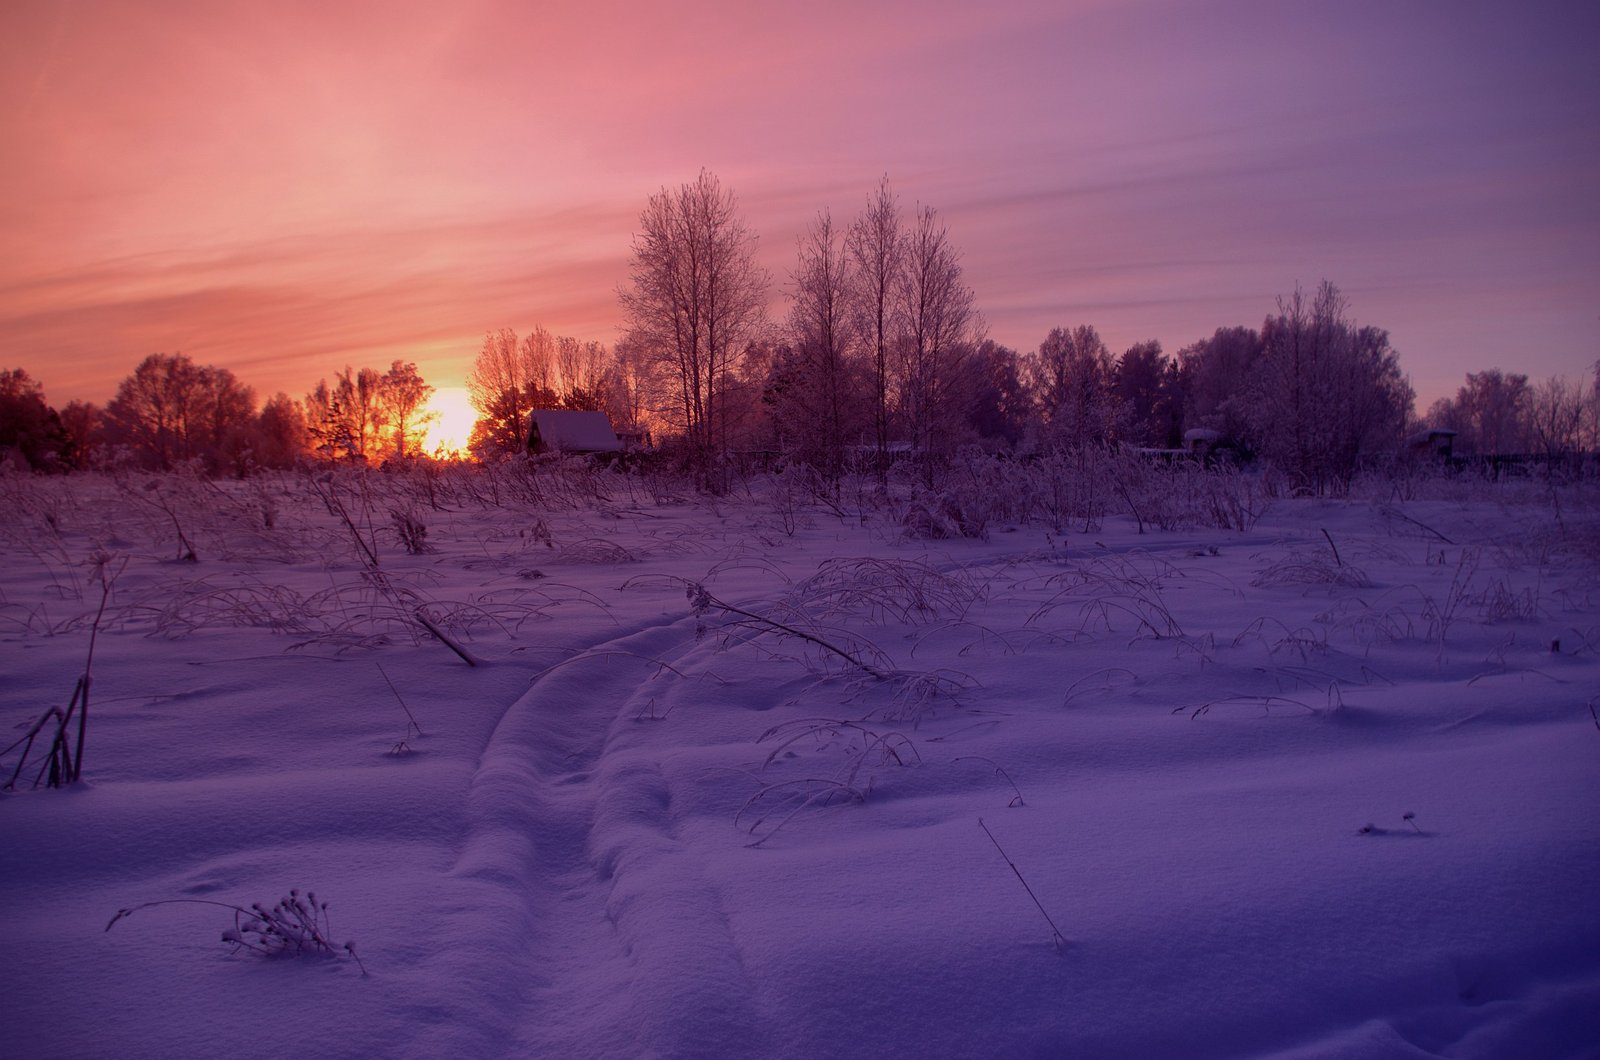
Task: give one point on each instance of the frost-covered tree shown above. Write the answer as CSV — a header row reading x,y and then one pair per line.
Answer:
x,y
695,300
875,247
1326,391
581,369
1000,406
1215,377
1145,383
940,328
817,382
1490,413
1072,377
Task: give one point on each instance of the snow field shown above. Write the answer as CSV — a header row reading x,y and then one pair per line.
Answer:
x,y
638,830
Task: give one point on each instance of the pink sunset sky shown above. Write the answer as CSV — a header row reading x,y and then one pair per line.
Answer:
x,y
286,188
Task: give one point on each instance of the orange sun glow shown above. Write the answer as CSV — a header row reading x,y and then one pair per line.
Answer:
x,y
452,427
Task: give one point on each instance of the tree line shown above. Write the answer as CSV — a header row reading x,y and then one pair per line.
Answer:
x,y
881,355
171,411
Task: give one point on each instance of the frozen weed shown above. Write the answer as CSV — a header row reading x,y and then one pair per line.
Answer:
x,y
1441,612
1103,680
413,730
1312,568
1500,603
1113,587
1016,799
862,750
594,550
1266,703
63,763
855,653
411,530
1408,817
297,926
1303,640
940,516
917,694
883,590
329,488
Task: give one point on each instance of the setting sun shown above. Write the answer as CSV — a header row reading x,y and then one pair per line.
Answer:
x,y
453,425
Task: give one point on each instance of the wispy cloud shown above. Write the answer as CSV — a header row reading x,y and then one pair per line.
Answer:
x,y
283,188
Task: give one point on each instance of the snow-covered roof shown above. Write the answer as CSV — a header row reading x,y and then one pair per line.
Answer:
x,y
1428,434
572,432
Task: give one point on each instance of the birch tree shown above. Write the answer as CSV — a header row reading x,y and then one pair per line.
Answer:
x,y
875,247
696,298
816,396
940,329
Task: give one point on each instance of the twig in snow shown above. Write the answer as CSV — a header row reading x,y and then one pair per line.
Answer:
x,y
1337,561
1058,938
1424,526
428,624
701,600
979,758
411,719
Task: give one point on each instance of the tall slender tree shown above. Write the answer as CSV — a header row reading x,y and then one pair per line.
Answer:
x,y
696,298
875,246
941,330
816,399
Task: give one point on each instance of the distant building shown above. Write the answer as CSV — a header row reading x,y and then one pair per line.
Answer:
x,y
1435,441
1201,440
564,431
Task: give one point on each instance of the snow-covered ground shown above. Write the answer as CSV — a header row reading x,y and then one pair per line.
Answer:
x,y
1324,787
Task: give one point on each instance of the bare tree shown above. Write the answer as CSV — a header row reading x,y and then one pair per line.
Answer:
x,y
941,328
82,422
403,396
1000,406
508,381
875,246
359,391
1555,416
151,411
1591,433
696,298
627,384
814,395
581,369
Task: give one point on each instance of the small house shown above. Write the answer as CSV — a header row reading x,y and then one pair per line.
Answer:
x,y
566,431
1433,441
1200,441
